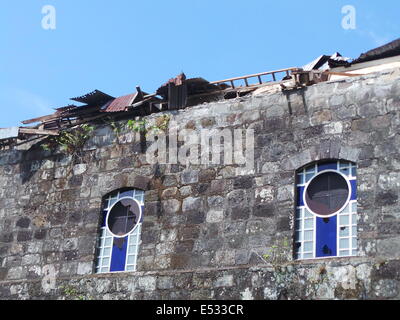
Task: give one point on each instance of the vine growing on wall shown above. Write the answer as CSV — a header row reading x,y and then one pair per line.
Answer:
x,y
72,293
117,128
285,273
70,142
142,126
278,253
137,125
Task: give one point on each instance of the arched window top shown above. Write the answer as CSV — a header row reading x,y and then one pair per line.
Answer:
x,y
124,192
305,173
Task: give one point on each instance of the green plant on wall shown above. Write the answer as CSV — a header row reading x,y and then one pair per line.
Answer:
x,y
142,126
162,124
71,293
137,125
320,277
278,253
117,129
286,274
70,142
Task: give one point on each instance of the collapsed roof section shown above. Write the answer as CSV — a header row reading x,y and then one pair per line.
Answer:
x,y
180,92
176,93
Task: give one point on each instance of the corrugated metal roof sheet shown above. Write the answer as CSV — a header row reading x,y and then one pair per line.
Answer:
x,y
315,64
95,97
119,104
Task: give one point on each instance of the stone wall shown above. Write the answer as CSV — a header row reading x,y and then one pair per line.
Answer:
x,y
206,228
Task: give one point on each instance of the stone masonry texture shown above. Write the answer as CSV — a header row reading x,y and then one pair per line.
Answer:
x,y
206,229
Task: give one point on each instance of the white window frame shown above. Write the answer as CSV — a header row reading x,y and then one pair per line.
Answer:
x,y
105,243
302,213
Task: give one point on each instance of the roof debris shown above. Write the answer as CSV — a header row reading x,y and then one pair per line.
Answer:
x,y
120,104
95,97
327,62
386,51
180,92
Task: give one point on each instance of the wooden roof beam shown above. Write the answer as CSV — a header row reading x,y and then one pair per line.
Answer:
x,y
39,131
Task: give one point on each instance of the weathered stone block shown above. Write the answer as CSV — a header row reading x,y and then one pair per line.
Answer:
x,y
170,206
191,204
214,216
224,281
23,222
189,177
24,236
85,268
165,283
147,283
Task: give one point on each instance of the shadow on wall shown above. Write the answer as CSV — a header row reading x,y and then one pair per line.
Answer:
x,y
31,162
295,104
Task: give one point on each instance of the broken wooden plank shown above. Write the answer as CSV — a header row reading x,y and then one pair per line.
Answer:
x,y
39,131
138,104
344,74
41,119
140,94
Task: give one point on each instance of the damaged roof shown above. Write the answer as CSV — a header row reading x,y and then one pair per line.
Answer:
x,y
180,92
388,50
94,98
120,104
325,62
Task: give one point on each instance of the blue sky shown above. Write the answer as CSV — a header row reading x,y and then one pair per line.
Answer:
x,y
115,45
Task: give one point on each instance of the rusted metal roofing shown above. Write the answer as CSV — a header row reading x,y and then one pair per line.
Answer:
x,y
194,85
95,97
177,81
120,104
180,92
176,91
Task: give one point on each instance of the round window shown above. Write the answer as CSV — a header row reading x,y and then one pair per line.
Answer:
x,y
327,193
123,217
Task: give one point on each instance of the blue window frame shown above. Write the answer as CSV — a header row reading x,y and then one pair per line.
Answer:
x,y
118,253
326,225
